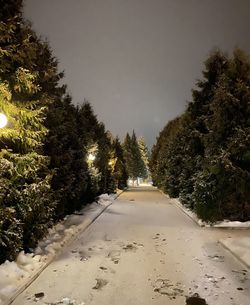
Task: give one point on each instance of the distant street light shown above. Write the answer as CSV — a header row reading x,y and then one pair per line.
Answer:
x,y
3,120
91,157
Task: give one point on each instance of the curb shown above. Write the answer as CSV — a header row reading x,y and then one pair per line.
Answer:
x,y
185,211
188,213
198,221
204,225
237,256
120,192
53,256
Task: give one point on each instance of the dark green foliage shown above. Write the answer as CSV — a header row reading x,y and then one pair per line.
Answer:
x,y
67,156
145,157
96,141
127,154
163,153
119,166
26,201
25,194
44,168
102,162
133,158
204,158
222,191
10,234
10,9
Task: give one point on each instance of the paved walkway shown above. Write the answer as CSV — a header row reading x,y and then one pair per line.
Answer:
x,y
240,247
143,251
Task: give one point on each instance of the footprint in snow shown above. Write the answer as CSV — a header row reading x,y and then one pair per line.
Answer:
x,y
100,283
217,258
195,300
39,296
115,256
103,268
130,247
166,287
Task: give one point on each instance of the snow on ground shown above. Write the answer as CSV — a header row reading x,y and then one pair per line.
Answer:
x,y
14,275
65,301
220,224
188,212
240,247
144,251
232,224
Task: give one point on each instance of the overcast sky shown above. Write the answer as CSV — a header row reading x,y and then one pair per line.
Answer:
x,y
136,61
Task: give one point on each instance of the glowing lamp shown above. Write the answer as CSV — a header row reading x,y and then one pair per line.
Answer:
x,y
3,120
91,157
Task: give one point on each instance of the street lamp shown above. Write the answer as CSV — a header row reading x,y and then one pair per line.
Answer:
x,y
91,157
3,120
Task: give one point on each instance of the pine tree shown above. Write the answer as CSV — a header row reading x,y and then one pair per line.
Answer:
x,y
225,174
134,163
96,142
119,166
26,205
103,157
10,9
26,201
145,157
165,156
203,156
45,172
127,154
67,156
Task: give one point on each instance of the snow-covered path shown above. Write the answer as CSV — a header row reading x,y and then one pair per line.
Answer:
x,y
142,251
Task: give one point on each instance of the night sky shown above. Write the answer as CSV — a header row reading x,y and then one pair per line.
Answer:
x,y
136,61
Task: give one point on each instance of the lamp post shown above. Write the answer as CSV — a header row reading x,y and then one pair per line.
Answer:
x,y
3,120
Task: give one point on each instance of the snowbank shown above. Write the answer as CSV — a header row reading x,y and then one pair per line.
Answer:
x,y
189,212
232,224
220,224
14,275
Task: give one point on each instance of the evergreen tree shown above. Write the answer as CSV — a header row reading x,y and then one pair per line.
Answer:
x,y
29,95
26,205
145,157
119,166
25,180
67,156
192,134
45,171
10,9
103,157
202,157
88,127
134,163
225,171
127,154
163,163
97,142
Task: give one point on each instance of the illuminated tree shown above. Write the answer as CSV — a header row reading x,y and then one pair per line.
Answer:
x,y
145,157
119,167
26,205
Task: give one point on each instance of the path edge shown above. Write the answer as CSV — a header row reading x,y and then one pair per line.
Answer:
x,y
198,221
234,253
30,280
